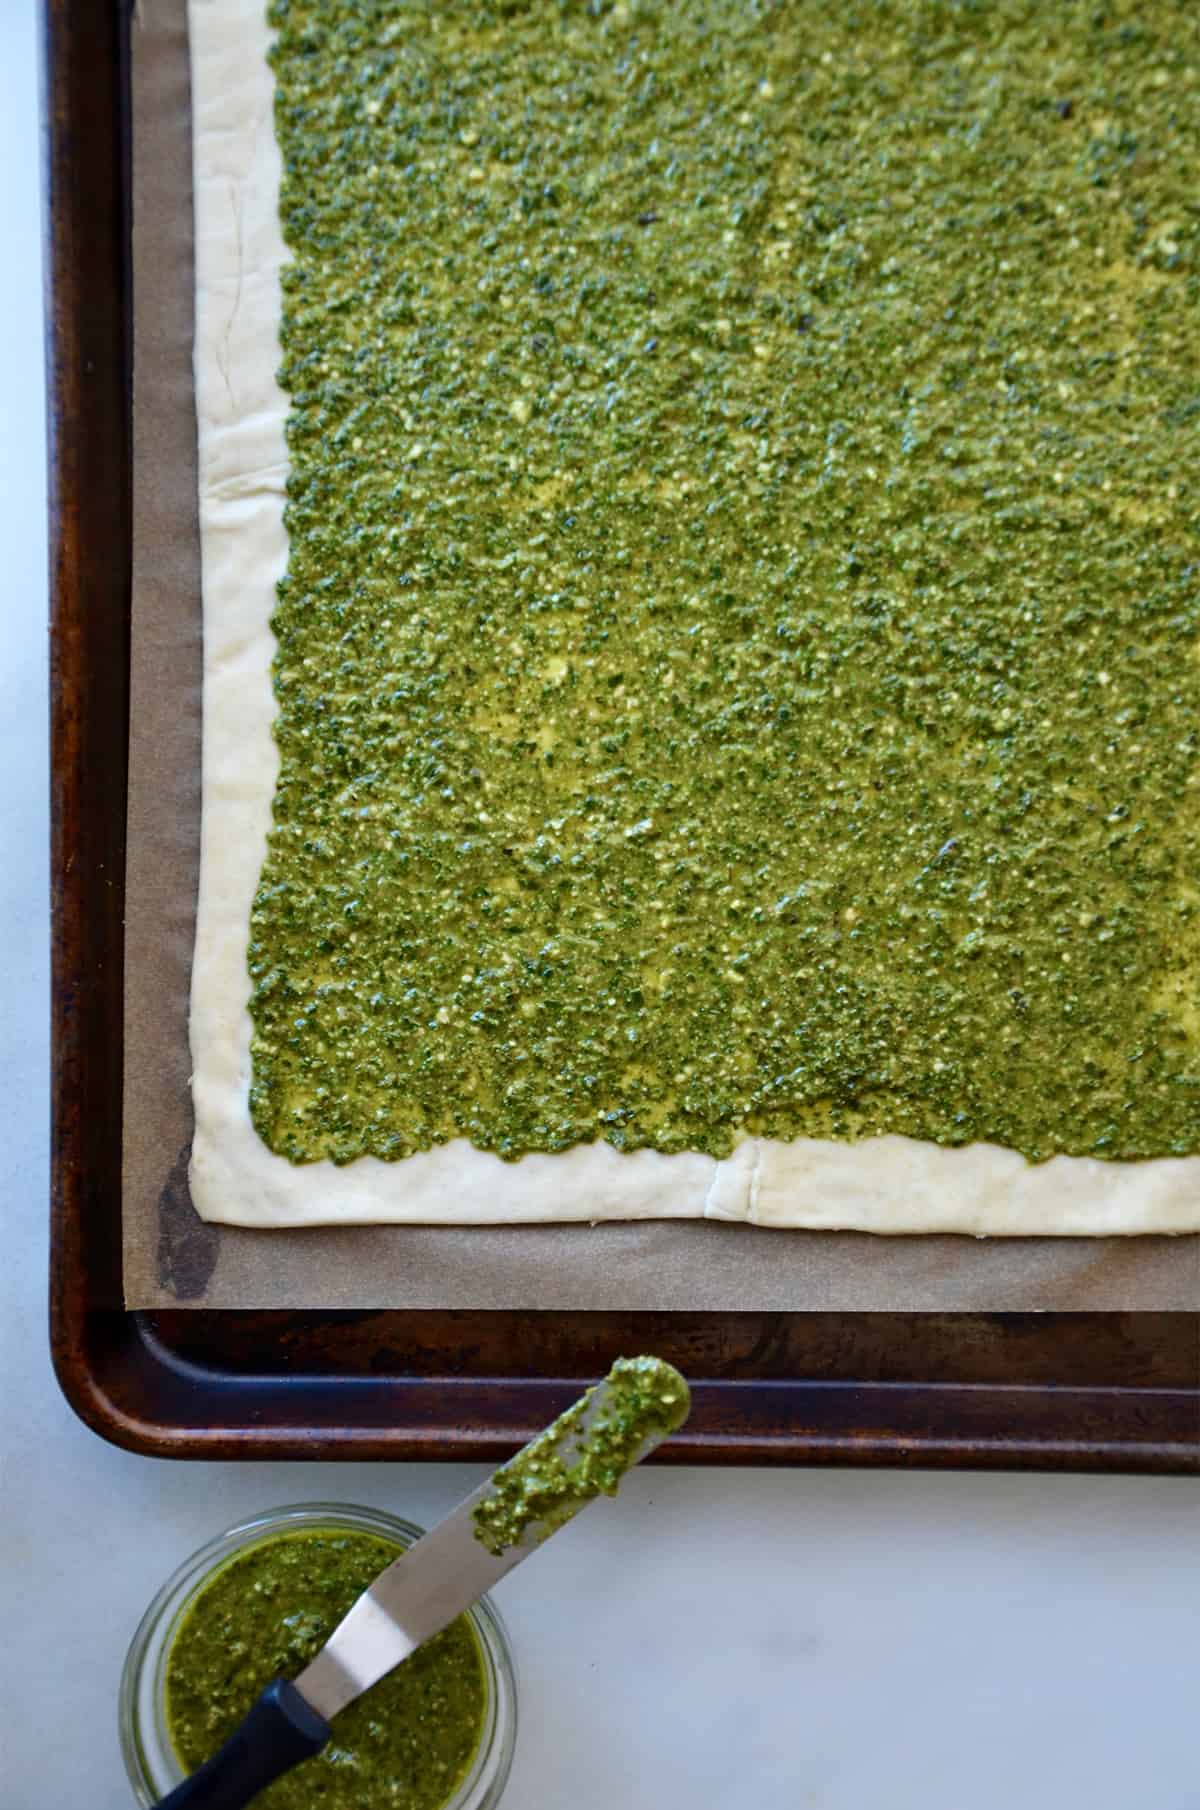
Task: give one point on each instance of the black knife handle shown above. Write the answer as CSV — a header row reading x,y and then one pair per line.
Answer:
x,y
280,1730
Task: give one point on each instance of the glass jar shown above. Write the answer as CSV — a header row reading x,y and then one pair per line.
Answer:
x,y
150,1759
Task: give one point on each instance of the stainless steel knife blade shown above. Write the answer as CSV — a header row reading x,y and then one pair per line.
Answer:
x,y
450,1567
418,1595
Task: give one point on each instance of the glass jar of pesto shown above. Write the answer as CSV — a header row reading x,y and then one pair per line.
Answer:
x,y
440,1731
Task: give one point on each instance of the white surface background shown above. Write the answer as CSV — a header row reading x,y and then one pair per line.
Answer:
x,y
736,1641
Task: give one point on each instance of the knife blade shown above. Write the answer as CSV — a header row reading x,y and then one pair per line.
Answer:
x,y
580,1456
419,1594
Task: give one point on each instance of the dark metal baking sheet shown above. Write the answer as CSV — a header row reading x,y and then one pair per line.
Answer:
x,y
1053,1391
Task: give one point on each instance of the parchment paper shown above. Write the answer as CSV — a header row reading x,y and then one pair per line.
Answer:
x,y
171,1257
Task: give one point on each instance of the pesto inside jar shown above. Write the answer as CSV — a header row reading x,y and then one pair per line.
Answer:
x,y
737,663
407,1743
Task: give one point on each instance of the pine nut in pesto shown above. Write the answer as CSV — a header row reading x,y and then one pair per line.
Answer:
x,y
737,664
583,1454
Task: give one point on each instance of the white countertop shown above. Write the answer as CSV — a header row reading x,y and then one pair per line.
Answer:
x,y
739,1640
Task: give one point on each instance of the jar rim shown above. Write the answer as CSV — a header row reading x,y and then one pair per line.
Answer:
x,y
150,1761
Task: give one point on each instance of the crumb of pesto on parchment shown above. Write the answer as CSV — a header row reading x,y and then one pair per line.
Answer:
x,y
738,660
584,1454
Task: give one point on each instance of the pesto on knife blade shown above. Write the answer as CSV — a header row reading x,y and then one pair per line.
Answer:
x,y
265,1614
737,665
583,1454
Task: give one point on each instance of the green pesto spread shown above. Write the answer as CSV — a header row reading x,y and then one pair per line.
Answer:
x,y
737,665
407,1743
584,1454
